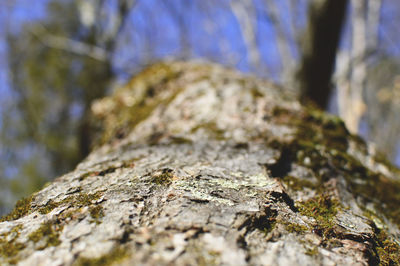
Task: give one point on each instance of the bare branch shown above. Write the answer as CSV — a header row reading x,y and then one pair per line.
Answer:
x,y
282,39
373,18
69,45
119,20
245,14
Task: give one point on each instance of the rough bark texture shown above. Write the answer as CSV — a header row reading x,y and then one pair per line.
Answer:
x,y
203,165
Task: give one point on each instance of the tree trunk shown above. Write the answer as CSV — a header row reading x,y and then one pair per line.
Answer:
x,y
197,164
319,47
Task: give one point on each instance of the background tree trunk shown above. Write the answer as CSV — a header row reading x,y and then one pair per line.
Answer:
x,y
319,47
197,164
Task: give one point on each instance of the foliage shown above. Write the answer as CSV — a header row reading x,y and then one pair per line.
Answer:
x,y
53,90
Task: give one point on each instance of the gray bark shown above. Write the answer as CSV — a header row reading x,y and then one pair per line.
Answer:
x,y
197,164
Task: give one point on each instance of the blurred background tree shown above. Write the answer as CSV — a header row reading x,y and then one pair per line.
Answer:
x,y
60,55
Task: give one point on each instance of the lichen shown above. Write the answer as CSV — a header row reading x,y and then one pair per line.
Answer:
x,y
199,194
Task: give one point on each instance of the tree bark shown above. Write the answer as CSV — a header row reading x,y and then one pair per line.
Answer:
x,y
197,164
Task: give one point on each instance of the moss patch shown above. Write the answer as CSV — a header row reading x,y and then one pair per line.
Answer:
x,y
312,251
109,170
385,193
9,246
163,177
80,200
264,222
298,184
321,144
388,250
96,212
22,208
323,209
296,228
51,205
212,129
180,140
148,90
314,127
48,235
116,255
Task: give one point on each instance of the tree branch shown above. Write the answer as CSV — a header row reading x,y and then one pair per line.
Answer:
x,y
66,44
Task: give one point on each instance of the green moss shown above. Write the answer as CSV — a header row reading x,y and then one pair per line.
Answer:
x,y
180,140
314,126
86,175
263,222
79,200
149,89
268,226
373,187
212,129
51,205
385,193
321,144
116,255
296,228
22,208
48,233
96,212
382,159
84,199
256,93
9,246
68,215
323,209
111,169
163,177
388,250
298,184
312,251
